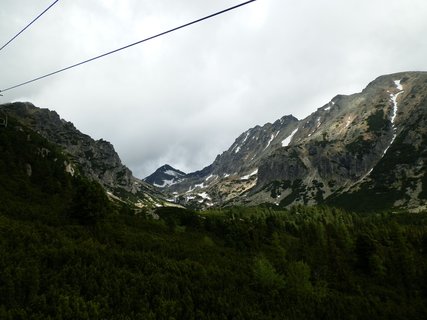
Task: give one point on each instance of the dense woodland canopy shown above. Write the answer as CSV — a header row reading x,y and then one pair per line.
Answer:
x,y
67,252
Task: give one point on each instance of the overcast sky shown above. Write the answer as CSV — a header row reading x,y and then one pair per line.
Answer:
x,y
185,97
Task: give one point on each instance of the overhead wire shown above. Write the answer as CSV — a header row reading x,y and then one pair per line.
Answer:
x,y
129,45
28,25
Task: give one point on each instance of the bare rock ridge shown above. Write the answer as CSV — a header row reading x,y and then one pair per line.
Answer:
x,y
96,159
366,150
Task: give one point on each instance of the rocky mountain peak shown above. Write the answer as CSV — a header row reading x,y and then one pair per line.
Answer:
x,y
238,164
165,176
367,142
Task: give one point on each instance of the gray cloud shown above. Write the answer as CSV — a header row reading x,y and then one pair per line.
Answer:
x,y
184,98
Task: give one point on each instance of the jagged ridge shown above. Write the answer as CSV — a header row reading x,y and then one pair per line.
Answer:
x,y
329,156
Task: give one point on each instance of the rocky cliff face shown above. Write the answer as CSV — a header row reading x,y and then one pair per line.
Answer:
x,y
95,159
346,143
235,170
370,144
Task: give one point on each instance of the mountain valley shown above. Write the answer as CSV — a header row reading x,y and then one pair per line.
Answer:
x,y
82,238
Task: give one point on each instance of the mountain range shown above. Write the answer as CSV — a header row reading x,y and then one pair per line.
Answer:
x,y
364,151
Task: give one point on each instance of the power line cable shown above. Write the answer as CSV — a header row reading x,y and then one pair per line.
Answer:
x,y
128,46
34,20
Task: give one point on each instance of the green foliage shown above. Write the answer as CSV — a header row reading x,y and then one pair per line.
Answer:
x,y
298,277
265,274
298,191
89,202
32,175
388,184
238,263
276,187
377,122
376,198
399,153
45,191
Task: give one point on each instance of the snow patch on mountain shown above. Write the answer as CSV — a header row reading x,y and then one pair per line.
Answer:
x,y
200,185
393,98
286,141
239,146
246,136
271,139
166,183
249,175
212,176
204,195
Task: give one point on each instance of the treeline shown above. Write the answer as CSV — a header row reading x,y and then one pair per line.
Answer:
x,y
242,263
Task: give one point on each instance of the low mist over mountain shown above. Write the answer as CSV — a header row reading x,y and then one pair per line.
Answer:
x,y
363,151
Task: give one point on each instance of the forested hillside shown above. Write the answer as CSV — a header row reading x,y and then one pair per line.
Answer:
x,y
37,180
68,252
306,263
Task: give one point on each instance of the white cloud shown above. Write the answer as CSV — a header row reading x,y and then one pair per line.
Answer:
x,y
185,97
